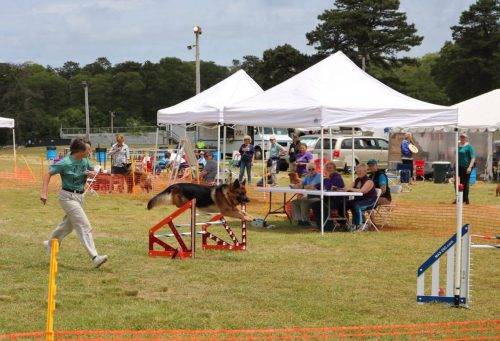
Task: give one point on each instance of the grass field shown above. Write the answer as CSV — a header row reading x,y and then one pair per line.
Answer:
x,y
287,277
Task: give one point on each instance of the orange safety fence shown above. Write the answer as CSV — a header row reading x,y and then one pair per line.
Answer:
x,y
462,330
434,218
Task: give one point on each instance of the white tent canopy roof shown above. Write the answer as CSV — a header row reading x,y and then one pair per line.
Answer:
x,y
206,107
6,122
481,112
336,92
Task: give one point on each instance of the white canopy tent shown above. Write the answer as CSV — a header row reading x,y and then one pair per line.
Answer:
x,y
481,113
207,106
476,115
336,92
10,123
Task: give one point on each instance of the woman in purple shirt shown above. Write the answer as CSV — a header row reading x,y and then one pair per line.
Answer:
x,y
331,181
302,158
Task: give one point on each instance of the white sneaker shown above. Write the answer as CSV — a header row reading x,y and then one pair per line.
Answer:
x,y
99,260
46,244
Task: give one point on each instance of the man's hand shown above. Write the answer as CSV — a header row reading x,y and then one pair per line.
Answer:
x,y
90,174
469,170
43,198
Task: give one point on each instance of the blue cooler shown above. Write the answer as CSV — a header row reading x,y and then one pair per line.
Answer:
x,y
473,176
100,155
51,152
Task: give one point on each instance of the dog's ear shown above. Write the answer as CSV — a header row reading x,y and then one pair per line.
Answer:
x,y
236,184
243,182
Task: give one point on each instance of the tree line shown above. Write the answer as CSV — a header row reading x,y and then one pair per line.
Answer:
x,y
373,33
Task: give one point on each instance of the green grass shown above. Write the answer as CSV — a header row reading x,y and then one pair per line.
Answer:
x,y
287,277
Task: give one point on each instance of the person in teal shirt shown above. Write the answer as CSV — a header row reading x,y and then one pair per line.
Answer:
x,y
73,170
466,161
276,151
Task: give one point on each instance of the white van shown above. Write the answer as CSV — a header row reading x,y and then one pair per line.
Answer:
x,y
365,148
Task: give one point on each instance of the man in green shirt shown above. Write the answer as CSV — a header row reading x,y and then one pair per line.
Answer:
x,y
466,160
74,170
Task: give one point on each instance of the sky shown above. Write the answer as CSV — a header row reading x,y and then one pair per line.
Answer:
x,y
52,32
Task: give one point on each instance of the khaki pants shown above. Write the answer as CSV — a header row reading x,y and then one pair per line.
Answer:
x,y
75,219
301,207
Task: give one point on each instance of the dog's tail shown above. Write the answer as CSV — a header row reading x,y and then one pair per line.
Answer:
x,y
160,198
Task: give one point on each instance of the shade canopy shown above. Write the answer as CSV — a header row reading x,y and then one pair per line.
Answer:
x,y
481,112
336,92
206,107
6,122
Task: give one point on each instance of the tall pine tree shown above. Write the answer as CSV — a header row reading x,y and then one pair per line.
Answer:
x,y
369,31
470,65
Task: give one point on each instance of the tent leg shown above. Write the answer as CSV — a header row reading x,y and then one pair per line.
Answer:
x,y
224,149
353,160
322,184
156,152
489,160
14,148
217,179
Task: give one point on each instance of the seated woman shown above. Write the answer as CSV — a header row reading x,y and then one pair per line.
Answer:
x,y
332,181
301,206
302,158
380,180
364,185
209,172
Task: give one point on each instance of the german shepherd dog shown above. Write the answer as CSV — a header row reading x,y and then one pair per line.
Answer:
x,y
223,198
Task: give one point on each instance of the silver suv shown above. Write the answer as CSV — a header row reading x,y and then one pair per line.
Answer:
x,y
365,148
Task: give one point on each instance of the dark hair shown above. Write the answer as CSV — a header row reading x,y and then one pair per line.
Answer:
x,y
77,145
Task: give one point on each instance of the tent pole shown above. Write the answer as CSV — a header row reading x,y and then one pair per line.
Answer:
x,y
331,146
322,184
156,152
217,179
458,246
224,148
489,160
264,175
352,154
14,148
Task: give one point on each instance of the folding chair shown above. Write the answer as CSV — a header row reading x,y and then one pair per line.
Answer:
x,y
383,212
369,213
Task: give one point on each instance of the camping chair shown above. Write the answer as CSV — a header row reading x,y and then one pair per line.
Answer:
x,y
383,212
370,212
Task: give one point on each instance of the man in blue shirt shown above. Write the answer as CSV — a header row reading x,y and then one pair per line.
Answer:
x,y
381,181
406,153
301,206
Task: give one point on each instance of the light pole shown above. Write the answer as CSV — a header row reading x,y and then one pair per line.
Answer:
x,y
111,115
87,114
197,32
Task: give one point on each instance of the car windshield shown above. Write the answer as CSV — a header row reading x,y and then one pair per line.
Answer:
x,y
275,131
309,141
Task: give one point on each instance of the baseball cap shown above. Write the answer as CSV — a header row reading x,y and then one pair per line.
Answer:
x,y
464,135
372,162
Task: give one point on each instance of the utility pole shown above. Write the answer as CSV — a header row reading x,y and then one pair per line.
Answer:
x,y
197,32
112,115
87,113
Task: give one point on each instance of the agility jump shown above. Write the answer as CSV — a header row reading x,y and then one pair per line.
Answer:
x,y
439,294
159,247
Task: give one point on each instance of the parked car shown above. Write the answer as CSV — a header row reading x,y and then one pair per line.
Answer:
x,y
365,148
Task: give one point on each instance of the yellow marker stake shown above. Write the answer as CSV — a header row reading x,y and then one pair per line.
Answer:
x,y
51,300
